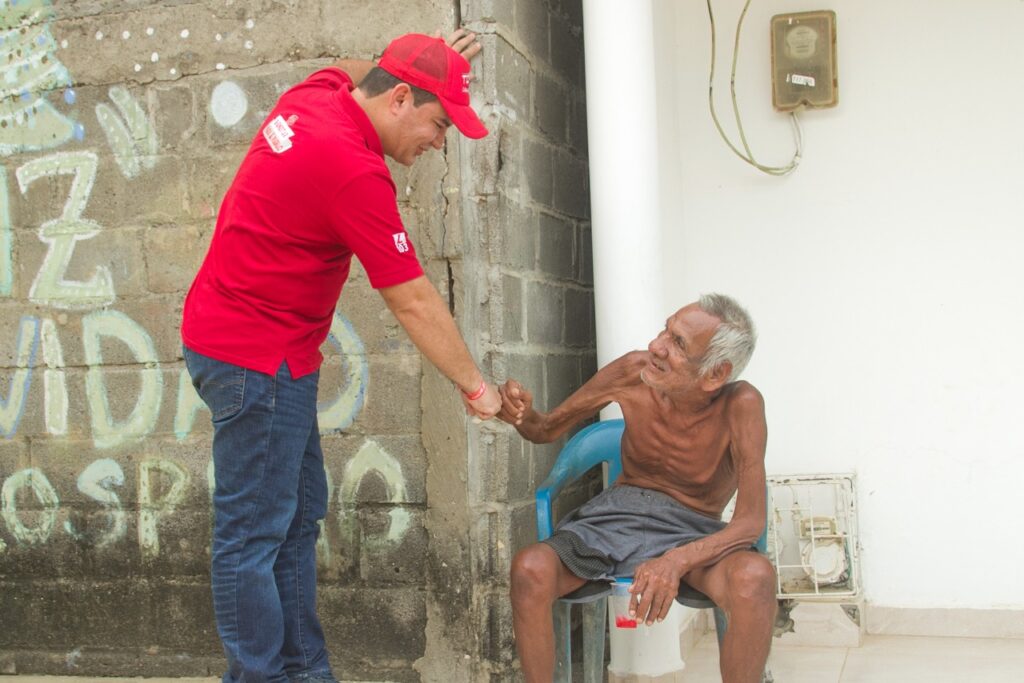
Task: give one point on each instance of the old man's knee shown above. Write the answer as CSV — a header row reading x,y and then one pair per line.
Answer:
x,y
751,580
534,574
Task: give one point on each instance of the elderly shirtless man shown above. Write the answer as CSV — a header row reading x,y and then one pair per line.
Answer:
x,y
693,437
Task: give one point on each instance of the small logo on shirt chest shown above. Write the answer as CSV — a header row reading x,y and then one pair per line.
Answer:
x,y
401,243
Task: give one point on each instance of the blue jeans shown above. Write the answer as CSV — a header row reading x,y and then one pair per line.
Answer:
x,y
270,494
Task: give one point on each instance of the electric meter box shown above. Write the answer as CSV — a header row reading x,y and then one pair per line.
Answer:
x,y
804,72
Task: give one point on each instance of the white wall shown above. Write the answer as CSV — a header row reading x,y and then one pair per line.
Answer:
x,y
885,275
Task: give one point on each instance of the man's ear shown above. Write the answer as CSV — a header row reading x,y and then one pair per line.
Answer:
x,y
718,377
399,96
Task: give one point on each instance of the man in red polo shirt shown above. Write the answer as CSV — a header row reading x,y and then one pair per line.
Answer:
x,y
312,191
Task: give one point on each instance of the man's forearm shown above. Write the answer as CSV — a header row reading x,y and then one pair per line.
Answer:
x,y
533,427
541,427
710,549
355,68
421,311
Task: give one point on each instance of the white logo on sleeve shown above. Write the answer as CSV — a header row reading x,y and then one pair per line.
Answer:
x,y
401,243
278,134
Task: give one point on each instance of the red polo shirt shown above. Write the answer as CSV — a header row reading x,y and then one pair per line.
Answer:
x,y
312,191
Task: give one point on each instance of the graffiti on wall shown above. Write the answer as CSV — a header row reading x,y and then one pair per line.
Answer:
x,y
6,239
31,78
131,135
152,62
98,481
51,287
228,104
372,459
30,71
13,405
163,486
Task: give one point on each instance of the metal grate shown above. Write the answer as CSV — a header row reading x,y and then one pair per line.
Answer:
x,y
812,535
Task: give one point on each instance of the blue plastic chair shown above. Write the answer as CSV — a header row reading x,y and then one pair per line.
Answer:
x,y
593,445
599,443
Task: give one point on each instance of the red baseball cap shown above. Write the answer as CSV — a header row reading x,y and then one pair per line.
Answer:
x,y
430,64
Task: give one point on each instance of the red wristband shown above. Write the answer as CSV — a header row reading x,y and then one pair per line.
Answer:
x,y
481,390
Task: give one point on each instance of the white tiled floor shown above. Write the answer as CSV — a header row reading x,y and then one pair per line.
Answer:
x,y
881,659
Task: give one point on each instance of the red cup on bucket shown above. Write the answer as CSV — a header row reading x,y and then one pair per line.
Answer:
x,y
619,601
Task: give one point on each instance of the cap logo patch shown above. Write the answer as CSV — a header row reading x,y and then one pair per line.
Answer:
x,y
465,82
401,243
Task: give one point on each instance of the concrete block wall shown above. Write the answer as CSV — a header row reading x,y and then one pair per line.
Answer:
x,y
121,126
534,212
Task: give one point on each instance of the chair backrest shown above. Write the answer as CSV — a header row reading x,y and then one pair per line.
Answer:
x,y
598,443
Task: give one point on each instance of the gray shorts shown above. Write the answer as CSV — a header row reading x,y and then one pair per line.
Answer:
x,y
624,526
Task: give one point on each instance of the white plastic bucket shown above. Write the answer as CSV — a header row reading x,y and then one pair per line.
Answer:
x,y
637,648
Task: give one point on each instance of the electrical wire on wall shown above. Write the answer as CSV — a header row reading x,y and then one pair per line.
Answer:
x,y
749,156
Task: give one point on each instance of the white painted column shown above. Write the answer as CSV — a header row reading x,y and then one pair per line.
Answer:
x,y
623,144
625,207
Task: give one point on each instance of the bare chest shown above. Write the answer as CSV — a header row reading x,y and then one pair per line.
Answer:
x,y
690,459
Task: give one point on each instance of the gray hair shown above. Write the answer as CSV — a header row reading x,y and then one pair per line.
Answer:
x,y
733,341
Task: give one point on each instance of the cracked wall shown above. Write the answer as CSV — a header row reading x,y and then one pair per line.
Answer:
x,y
527,280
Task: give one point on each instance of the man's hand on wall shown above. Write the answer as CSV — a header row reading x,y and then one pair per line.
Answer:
x,y
463,41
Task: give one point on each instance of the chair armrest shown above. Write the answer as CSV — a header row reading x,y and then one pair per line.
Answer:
x,y
546,494
594,444
545,527
762,542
